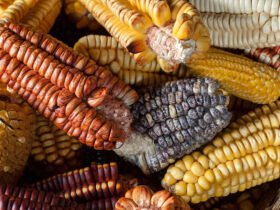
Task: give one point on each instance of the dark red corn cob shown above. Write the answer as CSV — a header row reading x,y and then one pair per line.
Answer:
x,y
80,97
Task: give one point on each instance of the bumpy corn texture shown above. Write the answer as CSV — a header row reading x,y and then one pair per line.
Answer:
x,y
244,155
174,120
82,98
97,185
142,197
80,15
153,28
53,151
239,76
242,24
105,50
16,133
270,56
39,14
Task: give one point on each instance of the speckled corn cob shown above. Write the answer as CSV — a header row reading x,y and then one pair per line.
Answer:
x,y
142,197
105,50
244,155
153,28
242,24
239,76
80,15
97,185
53,151
80,97
16,135
38,14
174,120
270,56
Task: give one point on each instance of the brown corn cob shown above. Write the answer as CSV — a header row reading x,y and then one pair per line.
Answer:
x,y
53,151
142,197
153,28
242,24
173,120
270,56
80,15
66,87
239,76
105,50
244,155
16,136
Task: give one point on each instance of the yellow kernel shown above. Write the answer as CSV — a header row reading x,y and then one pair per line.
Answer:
x,y
219,191
228,153
213,158
238,165
235,150
234,189
176,173
242,178
203,160
222,167
180,164
230,167
218,175
170,168
197,169
227,138
220,155
198,188
225,182
188,161
257,159
180,188
209,175
234,180
202,181
249,176
186,198
271,153
242,149
195,199
218,142
204,197
189,177
242,187
169,179
190,189
263,156
251,162
196,155
208,149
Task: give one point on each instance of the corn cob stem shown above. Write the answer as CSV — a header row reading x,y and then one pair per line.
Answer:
x,y
239,76
241,157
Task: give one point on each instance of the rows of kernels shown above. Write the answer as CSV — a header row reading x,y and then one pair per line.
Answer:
x,y
239,76
236,160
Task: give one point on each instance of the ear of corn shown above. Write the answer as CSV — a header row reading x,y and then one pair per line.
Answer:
x,y
242,24
107,51
239,76
153,28
38,14
53,151
269,56
243,156
80,15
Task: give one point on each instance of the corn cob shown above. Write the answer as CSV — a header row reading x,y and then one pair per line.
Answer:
x,y
4,5
239,76
244,155
38,14
53,151
80,15
242,24
269,56
105,50
142,197
153,28
96,185
174,120
66,87
16,136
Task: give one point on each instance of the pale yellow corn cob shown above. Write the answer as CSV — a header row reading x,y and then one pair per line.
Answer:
x,y
241,157
42,16
38,14
106,51
4,4
53,151
80,15
241,24
240,76
150,28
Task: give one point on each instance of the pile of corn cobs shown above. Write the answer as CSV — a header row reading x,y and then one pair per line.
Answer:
x,y
129,104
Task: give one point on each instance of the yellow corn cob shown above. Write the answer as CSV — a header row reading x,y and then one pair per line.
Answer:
x,y
241,24
38,14
80,15
4,4
153,28
53,151
240,76
106,51
244,155
16,134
